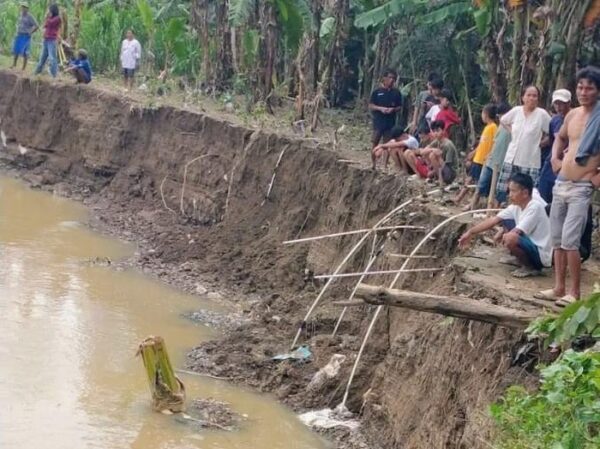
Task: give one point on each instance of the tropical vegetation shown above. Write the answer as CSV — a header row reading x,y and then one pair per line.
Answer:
x,y
565,412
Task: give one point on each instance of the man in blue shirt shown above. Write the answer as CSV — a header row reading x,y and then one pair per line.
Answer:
x,y
81,68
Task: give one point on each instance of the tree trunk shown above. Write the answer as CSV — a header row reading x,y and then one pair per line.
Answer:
x,y
78,8
519,15
268,47
224,61
470,309
200,14
333,72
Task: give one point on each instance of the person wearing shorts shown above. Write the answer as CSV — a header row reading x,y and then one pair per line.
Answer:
x,y
526,228
385,103
131,52
577,176
25,28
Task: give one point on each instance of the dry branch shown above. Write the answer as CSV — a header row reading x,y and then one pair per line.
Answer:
x,y
469,309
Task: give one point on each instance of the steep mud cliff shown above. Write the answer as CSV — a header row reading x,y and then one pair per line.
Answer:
x,y
193,191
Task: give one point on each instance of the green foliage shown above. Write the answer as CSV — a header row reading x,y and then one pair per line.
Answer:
x,y
579,318
563,414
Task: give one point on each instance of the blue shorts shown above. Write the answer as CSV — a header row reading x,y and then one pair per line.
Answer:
x,y
485,182
527,246
475,171
21,45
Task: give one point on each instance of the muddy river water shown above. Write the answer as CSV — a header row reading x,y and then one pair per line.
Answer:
x,y
69,330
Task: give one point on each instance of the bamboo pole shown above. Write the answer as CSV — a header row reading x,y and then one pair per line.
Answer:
x,y
372,258
346,259
372,273
455,306
356,231
393,283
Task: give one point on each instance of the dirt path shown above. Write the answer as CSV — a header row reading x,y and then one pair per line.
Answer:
x,y
219,232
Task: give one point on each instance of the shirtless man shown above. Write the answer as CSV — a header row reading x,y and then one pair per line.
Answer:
x,y
578,176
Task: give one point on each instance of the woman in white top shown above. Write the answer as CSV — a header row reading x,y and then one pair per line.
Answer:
x,y
131,52
528,125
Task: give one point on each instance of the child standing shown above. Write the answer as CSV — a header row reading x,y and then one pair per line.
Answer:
x,y
26,27
478,157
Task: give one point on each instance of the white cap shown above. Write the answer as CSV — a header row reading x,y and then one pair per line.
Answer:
x,y
561,95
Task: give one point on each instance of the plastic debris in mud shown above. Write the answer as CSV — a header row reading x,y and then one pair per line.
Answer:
x,y
328,418
301,353
3,137
168,392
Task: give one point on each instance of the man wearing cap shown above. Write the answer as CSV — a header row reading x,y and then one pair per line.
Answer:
x,y
561,102
26,26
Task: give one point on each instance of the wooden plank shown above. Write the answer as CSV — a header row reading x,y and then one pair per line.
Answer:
x,y
455,306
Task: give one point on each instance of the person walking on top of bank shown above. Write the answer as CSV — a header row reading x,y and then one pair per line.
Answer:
x,y
25,28
385,103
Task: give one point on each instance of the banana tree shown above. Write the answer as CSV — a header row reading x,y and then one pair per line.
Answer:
x,y
278,21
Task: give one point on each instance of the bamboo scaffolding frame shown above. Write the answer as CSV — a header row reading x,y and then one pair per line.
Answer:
x,y
392,284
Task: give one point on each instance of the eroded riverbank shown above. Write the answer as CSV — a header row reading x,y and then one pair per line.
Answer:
x,y
70,327
211,227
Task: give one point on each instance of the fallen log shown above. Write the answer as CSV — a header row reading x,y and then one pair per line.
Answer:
x,y
455,306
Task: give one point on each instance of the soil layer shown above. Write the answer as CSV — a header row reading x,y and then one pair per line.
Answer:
x,y
209,205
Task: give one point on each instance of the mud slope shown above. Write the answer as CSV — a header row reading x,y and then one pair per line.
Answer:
x,y
428,380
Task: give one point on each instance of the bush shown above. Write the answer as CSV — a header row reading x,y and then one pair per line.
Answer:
x,y
565,412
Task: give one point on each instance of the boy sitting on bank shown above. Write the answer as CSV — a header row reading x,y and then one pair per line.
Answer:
x,y
437,160
399,141
81,68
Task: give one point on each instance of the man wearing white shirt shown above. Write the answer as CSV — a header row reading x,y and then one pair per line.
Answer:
x,y
527,227
131,52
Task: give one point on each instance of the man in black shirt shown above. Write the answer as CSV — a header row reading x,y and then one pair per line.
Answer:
x,y
385,102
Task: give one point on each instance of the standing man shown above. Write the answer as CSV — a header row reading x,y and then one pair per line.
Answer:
x,y
25,28
131,52
561,102
385,102
577,177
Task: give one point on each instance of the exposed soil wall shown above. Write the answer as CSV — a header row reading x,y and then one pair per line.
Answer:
x,y
425,382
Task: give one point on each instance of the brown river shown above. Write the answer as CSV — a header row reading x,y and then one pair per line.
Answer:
x,y
69,332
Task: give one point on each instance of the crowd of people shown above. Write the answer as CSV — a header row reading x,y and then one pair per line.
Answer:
x,y
53,46
539,169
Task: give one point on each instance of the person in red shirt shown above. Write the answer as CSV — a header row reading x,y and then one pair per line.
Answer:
x,y
51,30
447,113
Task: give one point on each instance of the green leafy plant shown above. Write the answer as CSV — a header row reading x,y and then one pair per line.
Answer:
x,y
579,318
565,412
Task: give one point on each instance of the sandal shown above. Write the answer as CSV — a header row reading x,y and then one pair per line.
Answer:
x,y
522,273
566,300
548,295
